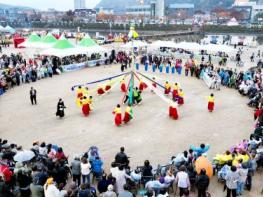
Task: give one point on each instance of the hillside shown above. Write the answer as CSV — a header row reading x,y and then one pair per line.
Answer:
x,y
6,6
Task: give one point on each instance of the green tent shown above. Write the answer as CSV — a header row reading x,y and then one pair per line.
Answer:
x,y
63,43
49,38
33,38
87,42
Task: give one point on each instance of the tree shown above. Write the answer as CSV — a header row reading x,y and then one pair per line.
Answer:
x,y
69,16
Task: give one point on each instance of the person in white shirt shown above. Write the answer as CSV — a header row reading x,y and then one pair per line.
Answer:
x,y
121,179
114,169
85,170
182,180
169,178
42,149
50,190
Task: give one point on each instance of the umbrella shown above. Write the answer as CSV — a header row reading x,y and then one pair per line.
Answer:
x,y
203,163
6,172
23,156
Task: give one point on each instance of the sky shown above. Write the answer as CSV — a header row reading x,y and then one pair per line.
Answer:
x,y
45,4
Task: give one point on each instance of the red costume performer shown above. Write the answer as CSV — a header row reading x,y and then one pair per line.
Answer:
x,y
100,91
181,97
175,91
108,87
123,86
117,112
211,103
127,115
85,106
167,87
173,111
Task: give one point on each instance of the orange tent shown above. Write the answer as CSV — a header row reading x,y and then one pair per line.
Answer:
x,y
203,163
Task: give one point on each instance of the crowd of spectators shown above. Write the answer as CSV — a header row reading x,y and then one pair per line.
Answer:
x,y
44,170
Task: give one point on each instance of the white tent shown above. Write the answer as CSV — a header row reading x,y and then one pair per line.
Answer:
x,y
159,43
192,46
61,48
217,48
232,22
135,43
61,52
90,50
10,29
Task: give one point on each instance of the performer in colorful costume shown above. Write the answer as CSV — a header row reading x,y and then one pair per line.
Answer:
x,y
181,97
85,106
123,86
167,87
79,92
100,90
211,103
108,87
173,111
117,113
175,91
128,115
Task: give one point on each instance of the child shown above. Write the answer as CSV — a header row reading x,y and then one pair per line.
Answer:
x,y
211,103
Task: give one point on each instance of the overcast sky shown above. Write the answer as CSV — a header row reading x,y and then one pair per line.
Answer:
x,y
45,4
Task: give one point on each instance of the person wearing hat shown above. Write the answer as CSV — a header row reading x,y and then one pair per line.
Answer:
x,y
50,190
109,192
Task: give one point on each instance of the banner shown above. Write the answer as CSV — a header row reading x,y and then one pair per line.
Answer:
x,y
207,79
74,67
79,66
93,63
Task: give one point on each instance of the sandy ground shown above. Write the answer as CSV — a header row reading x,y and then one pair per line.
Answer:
x,y
151,135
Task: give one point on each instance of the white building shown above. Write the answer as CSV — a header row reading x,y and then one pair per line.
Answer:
x,y
159,9
79,4
144,10
255,7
